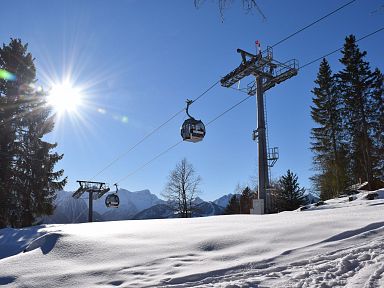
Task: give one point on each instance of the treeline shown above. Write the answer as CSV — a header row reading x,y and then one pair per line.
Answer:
x,y
27,178
284,195
348,108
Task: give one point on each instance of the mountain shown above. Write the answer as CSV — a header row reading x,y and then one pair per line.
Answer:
x,y
133,205
71,210
208,209
68,210
312,198
223,200
163,211
159,211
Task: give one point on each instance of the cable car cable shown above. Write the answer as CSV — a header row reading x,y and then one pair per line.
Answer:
x,y
179,142
328,54
149,162
234,106
313,23
339,49
152,132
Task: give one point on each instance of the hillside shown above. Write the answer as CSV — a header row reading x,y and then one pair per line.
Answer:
x,y
339,244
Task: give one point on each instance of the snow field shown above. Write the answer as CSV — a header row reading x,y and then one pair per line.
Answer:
x,y
339,244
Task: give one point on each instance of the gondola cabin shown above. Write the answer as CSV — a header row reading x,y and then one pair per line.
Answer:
x,y
193,130
112,201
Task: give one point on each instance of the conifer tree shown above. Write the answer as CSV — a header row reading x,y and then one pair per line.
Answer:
x,y
378,123
361,91
291,195
28,180
233,206
327,137
245,200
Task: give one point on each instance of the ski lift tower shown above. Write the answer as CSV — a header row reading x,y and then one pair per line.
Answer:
x,y
267,72
95,190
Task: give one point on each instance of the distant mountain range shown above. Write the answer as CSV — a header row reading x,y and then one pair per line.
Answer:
x,y
133,205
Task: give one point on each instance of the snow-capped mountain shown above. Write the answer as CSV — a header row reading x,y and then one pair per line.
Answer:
x,y
163,211
133,205
223,200
160,211
71,210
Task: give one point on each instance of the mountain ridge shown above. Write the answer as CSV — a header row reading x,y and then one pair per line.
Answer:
x,y
133,205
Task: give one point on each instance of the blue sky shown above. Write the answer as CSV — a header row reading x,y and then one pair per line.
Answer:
x,y
138,61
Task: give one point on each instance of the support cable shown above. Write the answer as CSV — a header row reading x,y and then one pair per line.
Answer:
x,y
152,132
179,142
213,85
234,106
339,49
313,23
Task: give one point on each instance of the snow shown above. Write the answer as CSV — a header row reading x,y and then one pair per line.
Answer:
x,y
339,244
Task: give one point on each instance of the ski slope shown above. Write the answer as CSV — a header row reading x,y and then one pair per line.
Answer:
x,y
340,244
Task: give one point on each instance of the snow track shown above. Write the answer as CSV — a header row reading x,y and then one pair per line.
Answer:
x,y
356,261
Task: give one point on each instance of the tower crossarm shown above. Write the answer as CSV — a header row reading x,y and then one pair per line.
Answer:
x,y
237,74
281,72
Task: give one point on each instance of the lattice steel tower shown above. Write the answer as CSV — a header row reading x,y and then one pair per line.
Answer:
x,y
267,72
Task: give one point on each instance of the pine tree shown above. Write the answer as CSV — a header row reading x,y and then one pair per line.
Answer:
x,y
378,123
291,195
327,138
29,182
245,200
233,206
15,61
360,89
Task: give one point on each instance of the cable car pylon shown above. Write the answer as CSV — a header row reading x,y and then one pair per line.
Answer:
x,y
95,190
267,72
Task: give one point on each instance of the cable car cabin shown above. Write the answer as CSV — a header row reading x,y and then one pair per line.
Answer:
x,y
193,130
112,201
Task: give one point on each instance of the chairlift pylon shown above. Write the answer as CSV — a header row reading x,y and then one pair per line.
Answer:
x,y
192,130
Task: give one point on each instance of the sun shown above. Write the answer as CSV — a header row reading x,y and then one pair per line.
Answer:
x,y
65,97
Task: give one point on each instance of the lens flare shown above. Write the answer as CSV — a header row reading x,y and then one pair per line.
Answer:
x,y
4,74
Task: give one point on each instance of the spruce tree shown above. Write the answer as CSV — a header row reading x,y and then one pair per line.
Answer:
x,y
327,137
378,123
245,200
233,206
29,182
291,195
360,89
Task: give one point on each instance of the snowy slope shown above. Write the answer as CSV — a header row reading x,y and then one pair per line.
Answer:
x,y
339,244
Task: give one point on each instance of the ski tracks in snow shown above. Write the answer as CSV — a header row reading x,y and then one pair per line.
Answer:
x,y
356,261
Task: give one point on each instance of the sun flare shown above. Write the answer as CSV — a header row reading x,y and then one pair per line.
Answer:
x,y
65,97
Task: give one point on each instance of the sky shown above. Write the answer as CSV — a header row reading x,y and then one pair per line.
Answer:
x,y
136,62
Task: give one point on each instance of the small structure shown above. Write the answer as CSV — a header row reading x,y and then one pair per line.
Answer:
x,y
95,190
